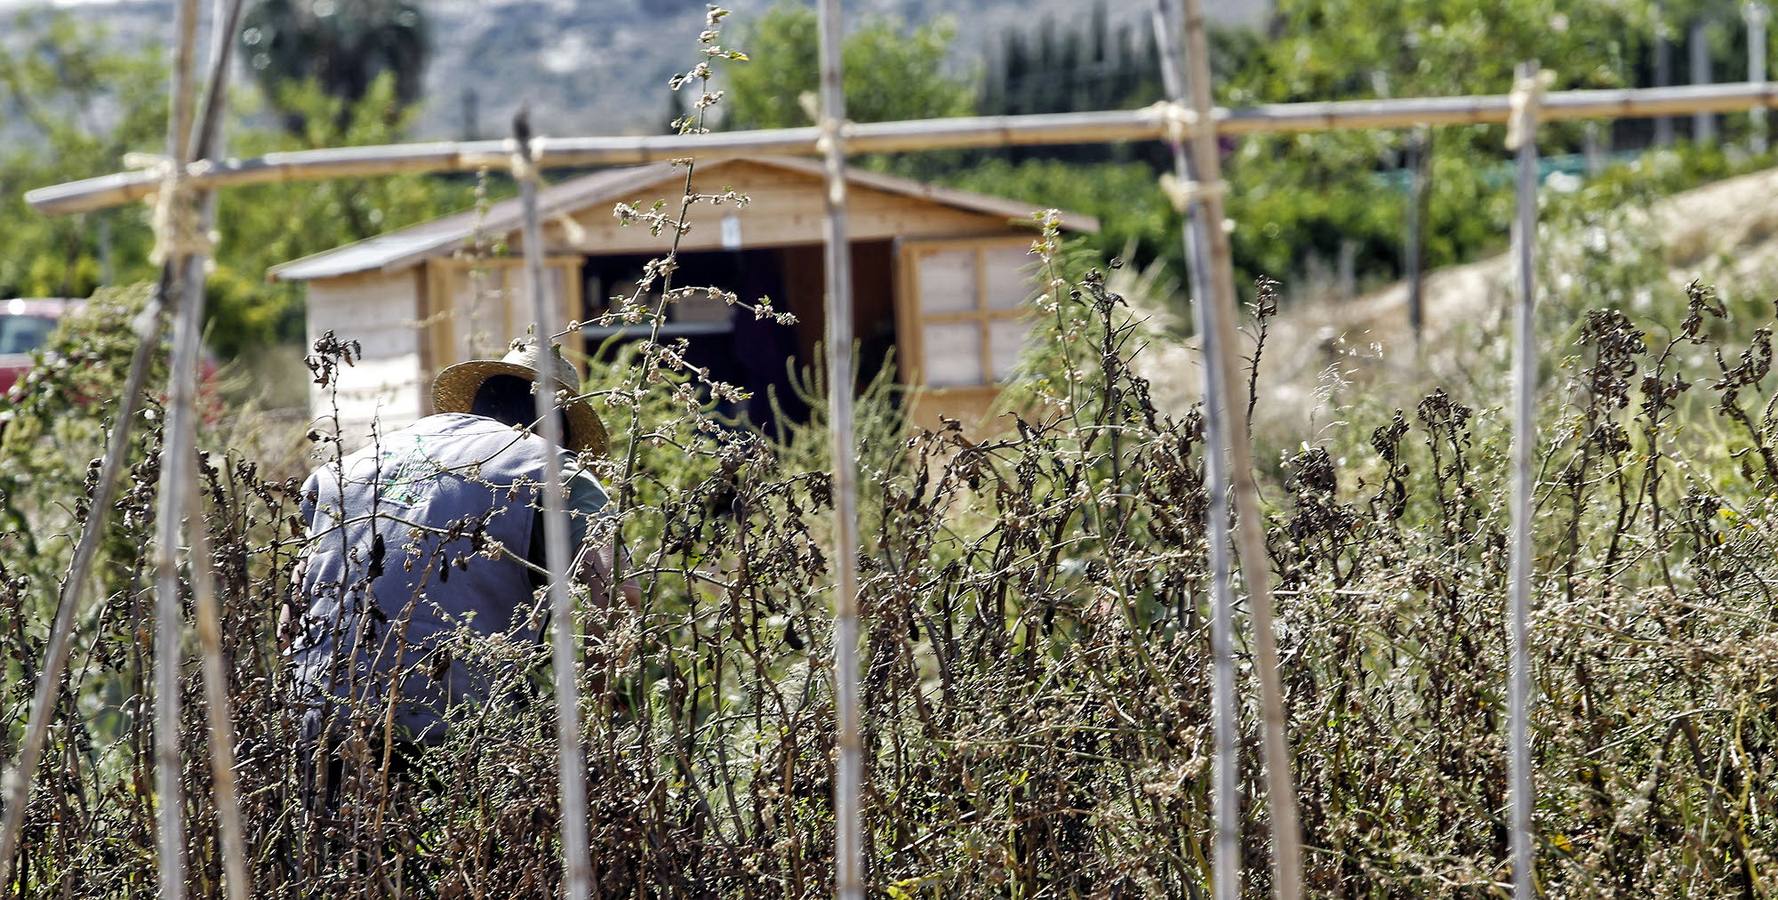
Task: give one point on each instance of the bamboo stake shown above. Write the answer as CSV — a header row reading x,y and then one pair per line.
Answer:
x,y
1220,310
149,329
572,774
1755,13
891,137
177,459
1418,216
1663,72
848,781
1522,137
1698,49
1225,859
184,390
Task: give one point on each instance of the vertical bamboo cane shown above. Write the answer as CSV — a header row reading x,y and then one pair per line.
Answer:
x,y
176,464
1698,48
1418,214
575,852
1663,72
1522,135
848,781
207,140
1249,521
1756,15
1225,857
149,328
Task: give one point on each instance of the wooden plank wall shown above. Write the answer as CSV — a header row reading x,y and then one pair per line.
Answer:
x,y
785,209
379,312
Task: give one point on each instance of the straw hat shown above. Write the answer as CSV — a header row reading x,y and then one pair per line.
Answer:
x,y
454,390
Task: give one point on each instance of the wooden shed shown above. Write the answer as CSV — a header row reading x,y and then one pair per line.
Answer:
x,y
941,276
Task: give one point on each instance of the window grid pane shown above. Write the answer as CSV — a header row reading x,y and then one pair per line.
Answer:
x,y
947,281
1009,282
972,312
953,354
1007,339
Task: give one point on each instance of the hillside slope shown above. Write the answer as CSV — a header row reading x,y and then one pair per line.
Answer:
x,y
1725,232
1321,357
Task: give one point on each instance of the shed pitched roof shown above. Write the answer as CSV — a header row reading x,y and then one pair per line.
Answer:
x,y
408,247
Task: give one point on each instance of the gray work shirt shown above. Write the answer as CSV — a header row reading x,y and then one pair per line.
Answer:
x,y
418,539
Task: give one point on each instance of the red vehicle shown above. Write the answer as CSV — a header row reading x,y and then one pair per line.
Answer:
x,y
24,326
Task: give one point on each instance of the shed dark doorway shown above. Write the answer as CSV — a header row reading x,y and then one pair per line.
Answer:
x,y
736,346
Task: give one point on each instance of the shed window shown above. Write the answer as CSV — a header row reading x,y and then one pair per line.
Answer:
x,y
611,280
965,310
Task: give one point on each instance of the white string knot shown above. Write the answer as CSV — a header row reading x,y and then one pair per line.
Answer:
x,y
1177,118
175,216
520,162
1185,193
1526,99
832,130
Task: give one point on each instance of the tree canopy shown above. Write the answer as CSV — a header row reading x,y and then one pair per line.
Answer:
x,y
891,72
78,104
342,46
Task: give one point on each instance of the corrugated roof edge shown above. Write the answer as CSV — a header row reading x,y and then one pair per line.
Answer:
x,y
407,247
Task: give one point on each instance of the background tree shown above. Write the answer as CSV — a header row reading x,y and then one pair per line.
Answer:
x,y
343,46
1298,198
264,225
891,72
71,105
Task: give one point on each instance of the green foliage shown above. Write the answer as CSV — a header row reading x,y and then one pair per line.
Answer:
x,y
1301,196
53,421
72,105
890,72
83,105
1335,49
264,225
1136,220
1296,199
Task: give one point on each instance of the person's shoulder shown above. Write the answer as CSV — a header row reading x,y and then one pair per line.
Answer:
x,y
453,421
462,423
579,478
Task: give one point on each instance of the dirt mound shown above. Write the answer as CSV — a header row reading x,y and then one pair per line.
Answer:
x,y
1321,355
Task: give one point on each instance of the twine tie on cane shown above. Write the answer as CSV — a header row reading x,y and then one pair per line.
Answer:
x,y
832,130
520,162
1526,99
1177,118
175,216
1179,121
1184,193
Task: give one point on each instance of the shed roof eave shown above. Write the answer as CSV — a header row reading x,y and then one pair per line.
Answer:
x,y
403,249
969,201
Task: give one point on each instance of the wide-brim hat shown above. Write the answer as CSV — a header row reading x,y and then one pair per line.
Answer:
x,y
454,390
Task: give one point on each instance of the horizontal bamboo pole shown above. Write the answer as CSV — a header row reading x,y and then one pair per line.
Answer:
x,y
1151,123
